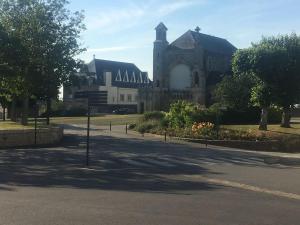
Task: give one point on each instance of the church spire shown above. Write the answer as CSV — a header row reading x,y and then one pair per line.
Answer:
x,y
161,32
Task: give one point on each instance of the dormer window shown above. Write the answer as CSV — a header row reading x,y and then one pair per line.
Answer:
x,y
141,78
118,77
133,79
126,79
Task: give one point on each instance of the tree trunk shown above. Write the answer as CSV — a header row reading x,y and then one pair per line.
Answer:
x,y
48,110
13,113
263,124
286,117
25,111
4,113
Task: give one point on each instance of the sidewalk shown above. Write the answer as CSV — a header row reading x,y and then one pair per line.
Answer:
x,y
119,131
270,157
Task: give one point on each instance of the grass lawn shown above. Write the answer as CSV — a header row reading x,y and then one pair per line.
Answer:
x,y
95,120
98,120
273,128
8,125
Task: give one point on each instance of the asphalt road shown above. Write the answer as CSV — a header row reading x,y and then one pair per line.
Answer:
x,y
142,180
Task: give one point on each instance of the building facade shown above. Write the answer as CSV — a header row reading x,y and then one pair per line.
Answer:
x,y
115,84
187,68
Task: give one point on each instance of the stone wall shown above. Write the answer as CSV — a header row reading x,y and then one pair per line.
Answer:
x,y
17,138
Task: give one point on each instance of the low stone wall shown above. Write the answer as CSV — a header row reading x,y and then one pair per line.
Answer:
x,y
271,145
17,138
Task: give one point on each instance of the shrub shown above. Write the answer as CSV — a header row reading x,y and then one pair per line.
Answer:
x,y
132,126
76,111
181,114
204,129
250,115
148,126
184,114
274,115
155,115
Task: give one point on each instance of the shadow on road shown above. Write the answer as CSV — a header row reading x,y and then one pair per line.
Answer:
x,y
63,166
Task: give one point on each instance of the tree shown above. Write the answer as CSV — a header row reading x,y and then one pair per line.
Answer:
x,y
256,60
285,66
230,87
275,62
261,97
10,61
48,34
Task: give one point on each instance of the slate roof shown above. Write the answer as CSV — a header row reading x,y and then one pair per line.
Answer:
x,y
161,26
120,68
191,39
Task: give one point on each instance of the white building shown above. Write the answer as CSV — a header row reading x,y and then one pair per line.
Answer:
x,y
115,85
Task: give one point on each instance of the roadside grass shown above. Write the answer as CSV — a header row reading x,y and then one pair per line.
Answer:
x,y
95,120
288,137
98,120
8,125
272,129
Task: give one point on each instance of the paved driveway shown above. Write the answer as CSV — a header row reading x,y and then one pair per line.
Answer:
x,y
142,180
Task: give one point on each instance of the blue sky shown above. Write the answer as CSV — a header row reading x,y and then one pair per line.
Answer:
x,y
124,30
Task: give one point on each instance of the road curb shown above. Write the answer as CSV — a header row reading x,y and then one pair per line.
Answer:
x,y
268,157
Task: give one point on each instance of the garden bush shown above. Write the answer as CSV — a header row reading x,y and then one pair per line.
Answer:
x,y
150,126
155,115
76,111
248,116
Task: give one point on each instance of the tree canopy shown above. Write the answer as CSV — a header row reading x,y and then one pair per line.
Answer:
x,y
45,38
275,64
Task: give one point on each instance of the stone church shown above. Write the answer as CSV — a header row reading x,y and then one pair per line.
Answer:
x,y
186,69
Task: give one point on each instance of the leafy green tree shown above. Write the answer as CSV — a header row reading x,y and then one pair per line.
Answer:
x,y
48,34
261,97
274,62
285,67
230,87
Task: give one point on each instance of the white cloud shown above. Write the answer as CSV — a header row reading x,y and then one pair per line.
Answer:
x,y
110,49
115,19
112,17
173,6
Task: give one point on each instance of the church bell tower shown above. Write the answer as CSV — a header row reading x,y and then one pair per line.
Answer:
x,y
160,45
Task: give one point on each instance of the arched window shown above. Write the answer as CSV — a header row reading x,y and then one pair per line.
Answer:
x,y
196,79
180,77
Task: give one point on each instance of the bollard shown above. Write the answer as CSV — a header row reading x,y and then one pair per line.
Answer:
x,y
165,136
35,129
110,126
126,128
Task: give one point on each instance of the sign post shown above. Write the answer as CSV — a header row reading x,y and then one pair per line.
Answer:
x,y
94,99
88,134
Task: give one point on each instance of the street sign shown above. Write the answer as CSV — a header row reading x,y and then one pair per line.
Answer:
x,y
94,99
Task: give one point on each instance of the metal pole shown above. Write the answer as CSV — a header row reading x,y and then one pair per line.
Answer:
x,y
35,126
218,123
3,113
88,134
